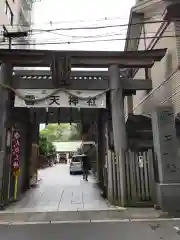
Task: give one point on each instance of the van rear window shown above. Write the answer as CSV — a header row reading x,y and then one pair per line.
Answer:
x,y
76,159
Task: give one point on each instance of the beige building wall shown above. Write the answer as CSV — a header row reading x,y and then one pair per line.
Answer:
x,y
20,10
169,91
14,6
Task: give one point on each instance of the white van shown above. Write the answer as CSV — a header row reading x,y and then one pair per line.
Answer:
x,y
76,164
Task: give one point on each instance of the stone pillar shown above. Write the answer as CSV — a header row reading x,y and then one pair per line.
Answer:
x,y
101,149
35,133
34,149
119,127
22,126
128,105
166,148
5,78
110,163
5,106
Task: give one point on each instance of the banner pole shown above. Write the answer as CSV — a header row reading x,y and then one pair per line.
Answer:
x,y
15,187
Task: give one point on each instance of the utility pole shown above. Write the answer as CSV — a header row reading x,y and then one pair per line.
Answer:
x,y
10,42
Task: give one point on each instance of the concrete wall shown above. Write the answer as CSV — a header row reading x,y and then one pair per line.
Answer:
x,y
160,71
169,91
21,10
24,22
14,5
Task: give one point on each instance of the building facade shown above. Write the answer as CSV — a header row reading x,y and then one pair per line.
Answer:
x,y
154,24
157,30
15,15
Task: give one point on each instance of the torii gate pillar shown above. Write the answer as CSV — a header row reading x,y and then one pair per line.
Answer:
x,y
119,127
5,107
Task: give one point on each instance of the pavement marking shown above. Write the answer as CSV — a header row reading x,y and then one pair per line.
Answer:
x,y
90,221
42,223
151,219
138,220
176,219
177,228
110,220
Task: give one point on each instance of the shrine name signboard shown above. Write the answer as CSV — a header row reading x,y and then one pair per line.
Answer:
x,y
72,98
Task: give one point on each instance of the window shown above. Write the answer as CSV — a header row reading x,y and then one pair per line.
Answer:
x,y
77,159
9,13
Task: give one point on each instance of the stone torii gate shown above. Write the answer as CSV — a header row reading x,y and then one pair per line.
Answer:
x,y
61,76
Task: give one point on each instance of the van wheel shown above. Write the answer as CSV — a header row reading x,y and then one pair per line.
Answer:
x,y
70,173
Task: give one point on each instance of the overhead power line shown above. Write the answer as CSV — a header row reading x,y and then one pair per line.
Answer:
x,y
98,27
74,36
51,23
91,41
104,19
90,37
103,26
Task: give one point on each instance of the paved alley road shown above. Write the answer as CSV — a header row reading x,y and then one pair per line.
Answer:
x,y
60,191
94,231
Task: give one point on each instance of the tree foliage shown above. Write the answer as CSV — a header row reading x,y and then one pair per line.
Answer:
x,y
42,145
46,147
54,132
62,132
75,132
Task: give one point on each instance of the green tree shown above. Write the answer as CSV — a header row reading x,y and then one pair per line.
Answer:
x,y
51,148
75,132
42,145
62,132
46,147
55,132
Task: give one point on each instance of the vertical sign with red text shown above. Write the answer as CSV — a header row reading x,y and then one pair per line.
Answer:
x,y
15,152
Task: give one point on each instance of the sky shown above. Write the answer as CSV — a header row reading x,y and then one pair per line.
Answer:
x,y
55,14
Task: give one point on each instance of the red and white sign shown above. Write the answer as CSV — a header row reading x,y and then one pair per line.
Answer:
x,y
16,164
15,151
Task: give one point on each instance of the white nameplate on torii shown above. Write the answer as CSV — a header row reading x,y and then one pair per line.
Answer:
x,y
61,99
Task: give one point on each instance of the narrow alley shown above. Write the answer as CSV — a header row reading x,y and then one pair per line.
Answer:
x,y
57,190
